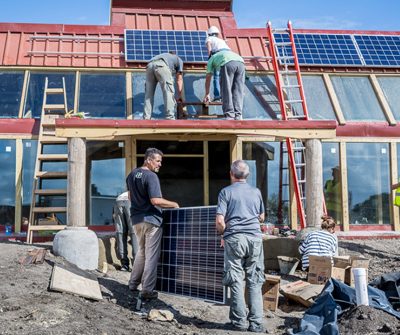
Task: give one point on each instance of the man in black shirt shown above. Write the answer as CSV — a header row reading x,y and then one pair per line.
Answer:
x,y
146,216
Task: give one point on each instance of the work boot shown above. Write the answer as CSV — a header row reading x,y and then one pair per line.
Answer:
x,y
253,328
148,295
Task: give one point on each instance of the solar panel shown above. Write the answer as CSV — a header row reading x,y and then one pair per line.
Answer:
x,y
322,49
379,50
142,45
192,261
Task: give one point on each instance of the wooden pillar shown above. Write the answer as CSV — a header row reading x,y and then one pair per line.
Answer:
x,y
314,188
76,189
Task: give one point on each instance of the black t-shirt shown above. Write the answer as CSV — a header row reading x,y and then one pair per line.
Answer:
x,y
143,185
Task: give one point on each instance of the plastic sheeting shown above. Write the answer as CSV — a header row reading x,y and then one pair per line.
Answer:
x,y
321,318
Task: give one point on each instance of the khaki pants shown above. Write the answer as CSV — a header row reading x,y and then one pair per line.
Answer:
x,y
144,269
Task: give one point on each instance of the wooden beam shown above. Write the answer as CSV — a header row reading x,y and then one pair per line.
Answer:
x,y
394,178
382,100
129,96
18,184
345,190
206,181
334,99
23,94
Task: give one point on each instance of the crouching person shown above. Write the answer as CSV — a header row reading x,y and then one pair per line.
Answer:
x,y
239,213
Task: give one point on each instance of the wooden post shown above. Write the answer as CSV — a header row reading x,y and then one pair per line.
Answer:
x,y
76,190
314,187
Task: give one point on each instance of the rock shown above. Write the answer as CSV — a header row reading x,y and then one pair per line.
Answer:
x,y
160,315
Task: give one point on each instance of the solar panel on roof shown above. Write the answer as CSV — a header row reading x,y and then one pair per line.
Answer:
x,y
192,261
142,45
379,50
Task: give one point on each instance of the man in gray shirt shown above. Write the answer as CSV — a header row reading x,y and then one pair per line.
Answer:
x,y
239,213
161,69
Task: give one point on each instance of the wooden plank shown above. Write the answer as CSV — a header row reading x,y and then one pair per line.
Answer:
x,y
51,192
71,279
47,227
49,209
334,99
55,91
52,175
54,140
54,107
382,100
343,179
18,185
53,157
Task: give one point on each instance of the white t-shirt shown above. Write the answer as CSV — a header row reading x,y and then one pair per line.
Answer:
x,y
217,44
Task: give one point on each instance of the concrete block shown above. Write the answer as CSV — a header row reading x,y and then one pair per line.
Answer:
x,y
280,246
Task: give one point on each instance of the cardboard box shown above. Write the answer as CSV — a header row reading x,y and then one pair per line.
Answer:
x,y
302,292
356,262
270,292
322,268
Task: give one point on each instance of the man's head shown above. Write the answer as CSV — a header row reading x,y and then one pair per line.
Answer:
x,y
153,159
239,170
336,172
213,31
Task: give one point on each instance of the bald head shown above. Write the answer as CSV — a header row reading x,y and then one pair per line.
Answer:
x,y
240,169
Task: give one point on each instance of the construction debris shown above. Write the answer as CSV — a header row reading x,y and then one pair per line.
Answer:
x,y
35,256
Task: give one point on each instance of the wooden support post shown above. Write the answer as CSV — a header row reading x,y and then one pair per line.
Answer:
x,y
314,187
76,203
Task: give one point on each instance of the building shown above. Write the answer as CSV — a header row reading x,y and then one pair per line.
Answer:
x,y
350,79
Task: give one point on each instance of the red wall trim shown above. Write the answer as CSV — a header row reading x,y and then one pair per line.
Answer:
x,y
184,12
368,129
19,126
371,227
60,28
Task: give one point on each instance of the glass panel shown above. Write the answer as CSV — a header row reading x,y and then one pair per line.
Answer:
x,y
106,162
391,89
357,99
332,180
7,182
34,98
103,95
28,170
368,182
318,102
264,160
218,168
10,93
138,84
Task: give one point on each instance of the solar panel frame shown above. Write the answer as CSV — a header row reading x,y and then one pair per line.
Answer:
x,y
142,45
192,261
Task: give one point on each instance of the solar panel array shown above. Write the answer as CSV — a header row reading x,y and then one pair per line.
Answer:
x,y
192,261
142,45
379,50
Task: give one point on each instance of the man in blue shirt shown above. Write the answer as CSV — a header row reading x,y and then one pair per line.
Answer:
x,y
146,216
239,213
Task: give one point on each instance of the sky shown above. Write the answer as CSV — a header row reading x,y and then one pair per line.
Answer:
x,y
311,14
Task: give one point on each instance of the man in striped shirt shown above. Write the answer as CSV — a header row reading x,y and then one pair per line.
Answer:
x,y
320,243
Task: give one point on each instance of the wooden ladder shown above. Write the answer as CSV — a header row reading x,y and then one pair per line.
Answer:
x,y
50,149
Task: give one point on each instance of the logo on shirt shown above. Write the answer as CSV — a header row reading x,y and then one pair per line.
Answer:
x,y
138,175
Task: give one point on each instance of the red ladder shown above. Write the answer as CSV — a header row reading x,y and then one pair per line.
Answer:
x,y
292,104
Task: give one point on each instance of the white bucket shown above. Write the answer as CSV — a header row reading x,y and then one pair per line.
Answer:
x,y
360,281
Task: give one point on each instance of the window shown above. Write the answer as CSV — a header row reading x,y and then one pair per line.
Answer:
x,y
368,182
391,88
34,98
28,168
10,93
332,180
357,99
103,95
7,182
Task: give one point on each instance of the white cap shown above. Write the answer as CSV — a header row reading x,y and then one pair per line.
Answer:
x,y
212,30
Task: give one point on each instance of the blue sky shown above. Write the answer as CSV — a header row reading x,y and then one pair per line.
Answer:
x,y
314,14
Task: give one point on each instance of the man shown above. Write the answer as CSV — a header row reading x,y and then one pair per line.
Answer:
x,y
333,192
397,195
232,72
161,69
239,213
146,215
123,228
215,44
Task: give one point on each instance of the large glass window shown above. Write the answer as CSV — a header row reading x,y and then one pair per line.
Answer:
x,y
103,95
10,93
391,89
267,173
7,182
106,164
368,182
318,102
28,170
357,99
332,180
34,98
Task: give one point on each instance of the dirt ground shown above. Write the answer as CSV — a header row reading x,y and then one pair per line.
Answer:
x,y
28,307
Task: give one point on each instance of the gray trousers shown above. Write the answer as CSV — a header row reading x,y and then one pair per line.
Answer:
x,y
144,269
244,259
232,89
158,72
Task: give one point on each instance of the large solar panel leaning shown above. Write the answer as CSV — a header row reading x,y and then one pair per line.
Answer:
x,y
142,45
192,261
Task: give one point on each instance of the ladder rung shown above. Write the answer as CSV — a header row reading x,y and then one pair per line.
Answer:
x,y
54,107
280,30
301,181
288,72
300,164
285,57
47,139
51,175
283,44
47,227
54,91
53,157
296,117
51,192
49,209
294,101
290,86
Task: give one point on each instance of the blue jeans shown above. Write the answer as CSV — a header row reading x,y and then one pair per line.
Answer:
x,y
216,85
244,259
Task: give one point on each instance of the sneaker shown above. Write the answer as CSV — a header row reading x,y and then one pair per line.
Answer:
x,y
231,326
125,268
146,295
256,329
216,99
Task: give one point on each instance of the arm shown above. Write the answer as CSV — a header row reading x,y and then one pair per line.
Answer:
x,y
163,203
220,224
179,83
207,88
208,45
261,218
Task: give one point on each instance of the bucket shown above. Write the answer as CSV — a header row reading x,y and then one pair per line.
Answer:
x,y
360,282
287,265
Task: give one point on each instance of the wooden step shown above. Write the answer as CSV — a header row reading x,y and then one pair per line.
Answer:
x,y
51,175
51,192
54,107
53,157
50,209
49,139
55,91
47,227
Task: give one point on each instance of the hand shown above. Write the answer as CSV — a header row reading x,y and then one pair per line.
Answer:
x,y
175,204
207,98
179,100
